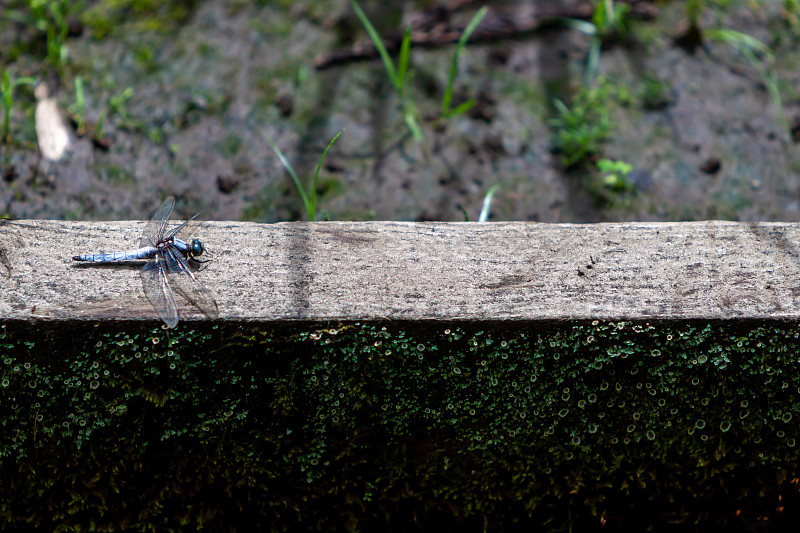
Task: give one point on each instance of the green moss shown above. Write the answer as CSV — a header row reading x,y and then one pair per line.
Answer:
x,y
144,54
476,427
208,50
230,145
106,16
654,93
117,174
581,129
99,20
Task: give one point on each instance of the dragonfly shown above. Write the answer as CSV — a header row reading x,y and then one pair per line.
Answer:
x,y
170,266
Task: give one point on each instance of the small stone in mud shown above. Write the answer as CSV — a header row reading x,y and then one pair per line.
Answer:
x,y
447,178
711,165
226,184
285,104
796,130
499,56
74,27
9,173
494,145
334,165
483,109
102,143
690,40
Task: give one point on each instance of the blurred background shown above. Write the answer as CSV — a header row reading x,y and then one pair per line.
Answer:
x,y
553,111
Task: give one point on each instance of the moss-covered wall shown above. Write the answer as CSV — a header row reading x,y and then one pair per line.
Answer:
x,y
368,427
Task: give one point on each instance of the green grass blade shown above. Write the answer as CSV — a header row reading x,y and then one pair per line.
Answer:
x,y
313,191
99,125
80,102
592,61
289,168
447,97
25,19
461,108
576,24
376,40
403,60
562,108
770,80
26,80
749,47
7,99
739,40
487,203
410,116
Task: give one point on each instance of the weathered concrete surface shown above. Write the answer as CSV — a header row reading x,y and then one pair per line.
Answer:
x,y
420,271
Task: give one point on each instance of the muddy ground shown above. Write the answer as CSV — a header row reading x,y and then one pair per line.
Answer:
x,y
210,81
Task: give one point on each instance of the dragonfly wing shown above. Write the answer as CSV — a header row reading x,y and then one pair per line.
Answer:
x,y
158,291
184,230
154,229
183,280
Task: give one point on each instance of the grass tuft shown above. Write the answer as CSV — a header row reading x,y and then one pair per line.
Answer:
x,y
309,196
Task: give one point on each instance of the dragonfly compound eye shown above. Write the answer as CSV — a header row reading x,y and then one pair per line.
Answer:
x,y
197,247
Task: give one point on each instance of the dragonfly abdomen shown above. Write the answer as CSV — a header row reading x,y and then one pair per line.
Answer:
x,y
130,255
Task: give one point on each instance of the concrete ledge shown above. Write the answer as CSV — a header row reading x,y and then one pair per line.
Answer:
x,y
346,271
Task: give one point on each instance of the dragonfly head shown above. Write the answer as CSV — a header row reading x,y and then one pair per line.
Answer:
x,y
196,248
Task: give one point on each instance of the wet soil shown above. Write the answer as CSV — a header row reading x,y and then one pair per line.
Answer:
x,y
212,81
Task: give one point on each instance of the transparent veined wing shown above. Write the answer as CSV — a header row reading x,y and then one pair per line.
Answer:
x,y
154,229
185,229
157,289
182,279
